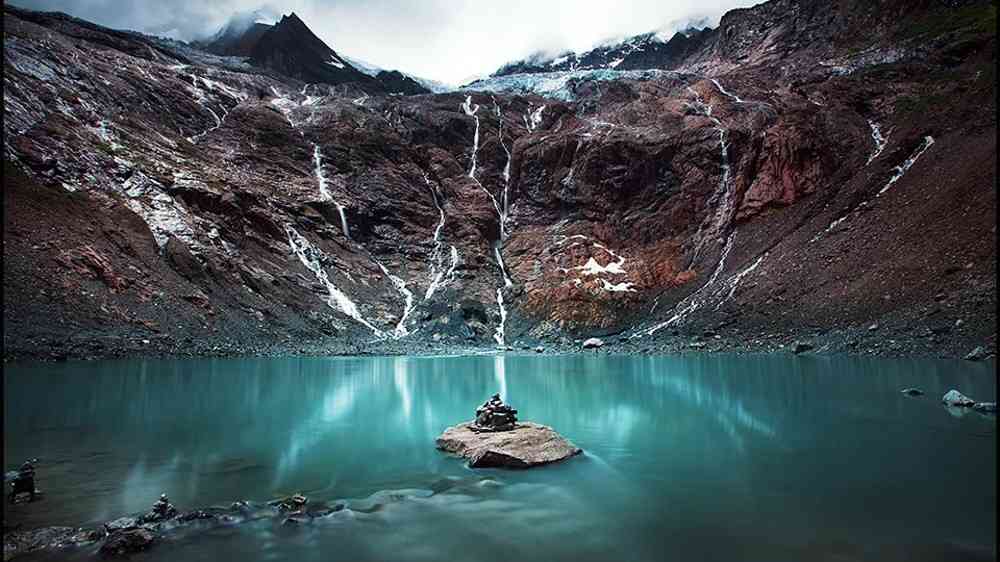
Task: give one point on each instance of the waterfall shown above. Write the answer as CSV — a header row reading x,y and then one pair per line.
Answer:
x,y
533,119
723,91
722,195
880,141
312,257
898,172
471,112
901,170
437,271
501,328
407,294
324,193
695,300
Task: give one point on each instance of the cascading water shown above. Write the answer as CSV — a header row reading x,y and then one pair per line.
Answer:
x,y
695,300
722,195
438,273
470,110
880,141
324,192
724,92
312,257
898,173
407,294
901,170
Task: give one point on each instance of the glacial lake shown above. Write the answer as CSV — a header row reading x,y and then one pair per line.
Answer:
x,y
687,458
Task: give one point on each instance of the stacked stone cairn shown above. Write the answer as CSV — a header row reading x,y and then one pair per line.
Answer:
x,y
494,415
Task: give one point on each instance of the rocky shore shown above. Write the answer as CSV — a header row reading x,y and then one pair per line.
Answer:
x,y
882,341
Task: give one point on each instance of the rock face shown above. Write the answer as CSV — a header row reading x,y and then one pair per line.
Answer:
x,y
155,192
526,445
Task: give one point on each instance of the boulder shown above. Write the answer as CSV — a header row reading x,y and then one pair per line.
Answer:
x,y
121,524
956,398
801,347
985,407
123,543
526,446
593,343
912,392
977,354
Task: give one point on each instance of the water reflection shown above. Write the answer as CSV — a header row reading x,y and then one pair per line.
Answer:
x,y
677,447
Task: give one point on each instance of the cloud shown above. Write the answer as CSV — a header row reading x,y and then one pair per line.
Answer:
x,y
446,40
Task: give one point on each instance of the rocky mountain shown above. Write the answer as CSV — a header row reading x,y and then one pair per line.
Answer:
x,y
290,48
635,53
810,171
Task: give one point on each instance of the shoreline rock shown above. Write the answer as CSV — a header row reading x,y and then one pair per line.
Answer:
x,y
526,446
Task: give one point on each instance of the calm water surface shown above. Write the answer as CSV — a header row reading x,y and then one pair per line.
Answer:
x,y
698,457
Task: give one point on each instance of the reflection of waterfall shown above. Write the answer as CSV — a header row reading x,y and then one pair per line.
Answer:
x,y
337,402
500,373
399,378
729,413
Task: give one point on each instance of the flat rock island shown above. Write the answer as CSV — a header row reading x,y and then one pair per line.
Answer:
x,y
495,439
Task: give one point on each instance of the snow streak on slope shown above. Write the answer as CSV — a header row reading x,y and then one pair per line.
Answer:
x,y
898,173
901,170
312,258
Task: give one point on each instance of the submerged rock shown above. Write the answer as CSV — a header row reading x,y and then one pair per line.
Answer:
x,y
985,407
123,543
294,502
593,343
912,392
525,446
956,398
121,524
16,543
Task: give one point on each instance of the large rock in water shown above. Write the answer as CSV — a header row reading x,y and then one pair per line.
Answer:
x,y
956,398
525,446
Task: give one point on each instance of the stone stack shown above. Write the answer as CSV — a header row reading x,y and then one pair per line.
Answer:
x,y
495,415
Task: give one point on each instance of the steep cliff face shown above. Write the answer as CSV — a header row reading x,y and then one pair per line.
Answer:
x,y
790,177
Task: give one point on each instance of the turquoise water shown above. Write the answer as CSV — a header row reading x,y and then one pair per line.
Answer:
x,y
700,457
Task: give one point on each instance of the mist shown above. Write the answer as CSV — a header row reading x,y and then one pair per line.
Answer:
x,y
449,41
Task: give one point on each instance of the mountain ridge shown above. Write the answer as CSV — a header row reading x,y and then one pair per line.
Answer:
x,y
792,179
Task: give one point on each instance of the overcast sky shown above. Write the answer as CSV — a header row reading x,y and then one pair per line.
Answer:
x,y
446,40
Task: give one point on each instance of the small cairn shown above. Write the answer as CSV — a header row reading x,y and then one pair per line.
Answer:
x,y
162,511
494,415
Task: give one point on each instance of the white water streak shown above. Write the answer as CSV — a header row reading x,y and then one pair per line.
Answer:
x,y
311,257
880,141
